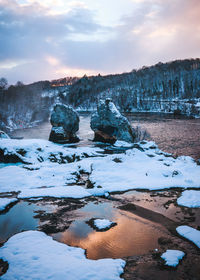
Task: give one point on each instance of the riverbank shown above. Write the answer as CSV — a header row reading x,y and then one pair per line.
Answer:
x,y
58,189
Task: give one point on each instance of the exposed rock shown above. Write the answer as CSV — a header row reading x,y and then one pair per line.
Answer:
x,y
107,120
11,157
103,137
3,135
65,124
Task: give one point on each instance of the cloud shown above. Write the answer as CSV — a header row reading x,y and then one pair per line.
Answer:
x,y
42,41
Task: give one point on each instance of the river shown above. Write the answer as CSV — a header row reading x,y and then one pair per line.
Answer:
x,y
173,134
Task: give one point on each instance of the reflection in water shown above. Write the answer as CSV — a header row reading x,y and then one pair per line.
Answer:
x,y
132,235
17,219
179,136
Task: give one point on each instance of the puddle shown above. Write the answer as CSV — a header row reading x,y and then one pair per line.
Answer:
x,y
133,235
163,202
19,218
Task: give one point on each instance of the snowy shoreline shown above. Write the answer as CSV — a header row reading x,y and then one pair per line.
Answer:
x,y
38,169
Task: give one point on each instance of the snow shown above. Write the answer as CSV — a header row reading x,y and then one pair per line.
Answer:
x,y
189,198
112,108
38,150
59,166
190,233
67,192
4,202
58,129
3,135
124,144
52,175
172,257
150,169
102,223
34,255
49,180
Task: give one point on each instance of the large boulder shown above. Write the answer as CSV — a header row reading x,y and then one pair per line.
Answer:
x,y
65,123
108,123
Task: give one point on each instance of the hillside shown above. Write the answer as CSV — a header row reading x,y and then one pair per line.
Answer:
x,y
172,87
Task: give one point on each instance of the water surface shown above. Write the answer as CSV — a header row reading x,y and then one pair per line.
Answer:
x,y
131,236
176,135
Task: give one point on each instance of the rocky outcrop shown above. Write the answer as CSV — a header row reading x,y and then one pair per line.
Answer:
x,y
109,125
65,124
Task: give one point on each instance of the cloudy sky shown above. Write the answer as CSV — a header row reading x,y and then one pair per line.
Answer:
x,y
49,39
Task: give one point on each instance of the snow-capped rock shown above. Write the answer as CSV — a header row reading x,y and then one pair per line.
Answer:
x,y
65,124
108,119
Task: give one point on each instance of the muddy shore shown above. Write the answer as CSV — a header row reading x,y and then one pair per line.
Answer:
x,y
156,208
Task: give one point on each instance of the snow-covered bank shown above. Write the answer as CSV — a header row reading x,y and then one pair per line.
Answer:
x,y
34,255
190,233
189,198
67,192
38,150
148,169
53,168
4,202
172,257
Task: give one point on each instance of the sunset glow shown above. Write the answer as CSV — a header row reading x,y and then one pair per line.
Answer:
x,y
61,38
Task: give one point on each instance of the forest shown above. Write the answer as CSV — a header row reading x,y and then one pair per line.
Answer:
x,y
172,87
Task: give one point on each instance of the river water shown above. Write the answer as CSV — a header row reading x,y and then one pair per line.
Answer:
x,y
176,135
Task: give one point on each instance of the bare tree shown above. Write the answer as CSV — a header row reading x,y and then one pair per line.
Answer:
x,y
19,84
3,83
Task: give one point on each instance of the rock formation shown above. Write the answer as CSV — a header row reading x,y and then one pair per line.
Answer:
x,y
109,125
65,123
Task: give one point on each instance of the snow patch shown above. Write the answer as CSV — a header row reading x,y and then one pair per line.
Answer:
x,y
47,175
172,257
124,144
67,192
102,223
34,255
56,166
4,202
143,170
189,198
190,233
38,150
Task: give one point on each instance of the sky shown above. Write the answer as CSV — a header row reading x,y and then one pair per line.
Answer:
x,y
50,39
